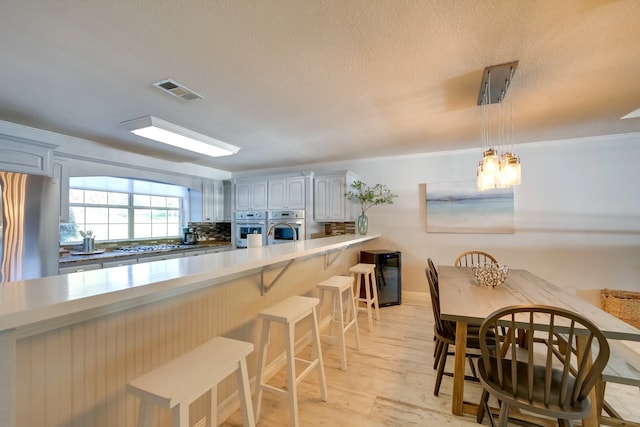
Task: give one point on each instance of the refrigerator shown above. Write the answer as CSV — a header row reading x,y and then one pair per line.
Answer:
x,y
29,226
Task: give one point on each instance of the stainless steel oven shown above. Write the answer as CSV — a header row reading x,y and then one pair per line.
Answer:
x,y
250,222
285,226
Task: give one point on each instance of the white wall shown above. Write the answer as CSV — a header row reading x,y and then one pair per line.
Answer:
x,y
577,212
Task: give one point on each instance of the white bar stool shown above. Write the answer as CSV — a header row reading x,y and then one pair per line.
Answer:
x,y
289,312
365,276
182,380
342,302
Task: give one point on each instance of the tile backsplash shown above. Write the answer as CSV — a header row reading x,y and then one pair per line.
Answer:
x,y
218,231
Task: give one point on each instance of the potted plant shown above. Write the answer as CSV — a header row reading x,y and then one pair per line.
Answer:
x,y
368,196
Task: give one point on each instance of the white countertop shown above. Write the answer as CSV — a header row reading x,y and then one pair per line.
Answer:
x,y
26,302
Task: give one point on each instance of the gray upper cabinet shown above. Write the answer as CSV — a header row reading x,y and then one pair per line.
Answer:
x,y
329,201
287,193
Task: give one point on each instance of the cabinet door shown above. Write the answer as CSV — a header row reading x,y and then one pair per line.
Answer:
x,y
227,211
294,193
207,200
243,196
259,195
329,198
218,201
277,194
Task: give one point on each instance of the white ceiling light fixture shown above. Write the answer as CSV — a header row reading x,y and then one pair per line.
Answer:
x,y
168,133
499,167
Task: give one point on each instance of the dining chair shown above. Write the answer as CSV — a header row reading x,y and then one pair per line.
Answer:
x,y
471,258
533,379
445,334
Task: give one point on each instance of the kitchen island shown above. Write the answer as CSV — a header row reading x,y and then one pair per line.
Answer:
x,y
70,343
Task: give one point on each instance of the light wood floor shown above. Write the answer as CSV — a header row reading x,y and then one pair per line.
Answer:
x,y
389,382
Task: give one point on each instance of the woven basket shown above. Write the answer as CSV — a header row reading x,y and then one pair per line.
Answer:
x,y
625,305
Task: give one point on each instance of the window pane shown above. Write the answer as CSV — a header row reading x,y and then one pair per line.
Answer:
x,y
173,202
118,216
159,230
158,202
159,216
118,231
121,199
141,216
100,231
97,215
95,197
76,196
173,217
141,231
141,200
173,229
76,213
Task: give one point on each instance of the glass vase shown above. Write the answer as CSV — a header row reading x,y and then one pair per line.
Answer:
x,y
363,224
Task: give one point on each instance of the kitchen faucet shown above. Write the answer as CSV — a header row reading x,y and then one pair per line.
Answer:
x,y
270,232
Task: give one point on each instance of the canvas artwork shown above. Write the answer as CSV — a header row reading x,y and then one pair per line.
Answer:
x,y
458,207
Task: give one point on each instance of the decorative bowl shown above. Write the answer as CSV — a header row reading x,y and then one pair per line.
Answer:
x,y
490,275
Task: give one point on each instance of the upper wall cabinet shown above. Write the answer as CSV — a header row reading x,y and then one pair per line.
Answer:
x,y
212,200
329,201
287,193
251,195
26,156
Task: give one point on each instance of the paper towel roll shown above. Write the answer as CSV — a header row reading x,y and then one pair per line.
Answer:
x,y
254,240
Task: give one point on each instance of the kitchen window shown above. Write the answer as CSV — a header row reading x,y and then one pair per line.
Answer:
x,y
122,215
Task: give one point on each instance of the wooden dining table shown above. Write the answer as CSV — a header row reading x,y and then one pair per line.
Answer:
x,y
464,301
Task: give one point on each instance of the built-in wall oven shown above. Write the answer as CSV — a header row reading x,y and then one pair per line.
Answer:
x,y
285,226
250,222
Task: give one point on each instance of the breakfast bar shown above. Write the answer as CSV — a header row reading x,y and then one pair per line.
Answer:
x,y
69,344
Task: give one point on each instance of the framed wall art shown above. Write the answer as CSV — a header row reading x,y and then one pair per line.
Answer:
x,y
458,207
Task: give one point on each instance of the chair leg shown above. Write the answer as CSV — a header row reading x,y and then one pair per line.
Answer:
x,y
504,415
443,360
437,353
564,423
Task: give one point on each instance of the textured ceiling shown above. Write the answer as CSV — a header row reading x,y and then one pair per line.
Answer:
x,y
306,81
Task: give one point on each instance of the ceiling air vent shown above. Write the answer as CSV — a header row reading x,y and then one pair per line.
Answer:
x,y
176,89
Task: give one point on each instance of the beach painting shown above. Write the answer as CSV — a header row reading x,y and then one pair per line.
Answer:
x,y
458,207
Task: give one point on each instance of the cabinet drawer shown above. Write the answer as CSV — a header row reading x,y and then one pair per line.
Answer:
x,y
77,268
119,263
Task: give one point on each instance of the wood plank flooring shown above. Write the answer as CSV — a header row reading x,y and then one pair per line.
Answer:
x,y
389,382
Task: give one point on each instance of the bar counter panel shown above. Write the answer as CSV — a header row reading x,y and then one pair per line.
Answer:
x,y
81,337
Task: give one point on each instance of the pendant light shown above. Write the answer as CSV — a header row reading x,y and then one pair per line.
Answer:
x,y
499,167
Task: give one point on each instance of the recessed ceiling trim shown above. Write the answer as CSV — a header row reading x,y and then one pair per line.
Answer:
x,y
178,90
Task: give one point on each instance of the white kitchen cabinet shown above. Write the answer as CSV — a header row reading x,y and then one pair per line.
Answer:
x,y
120,262
251,195
26,156
286,193
62,174
195,253
77,268
227,210
163,257
330,204
220,249
212,200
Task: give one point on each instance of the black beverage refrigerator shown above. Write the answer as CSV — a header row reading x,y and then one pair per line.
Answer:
x,y
388,275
